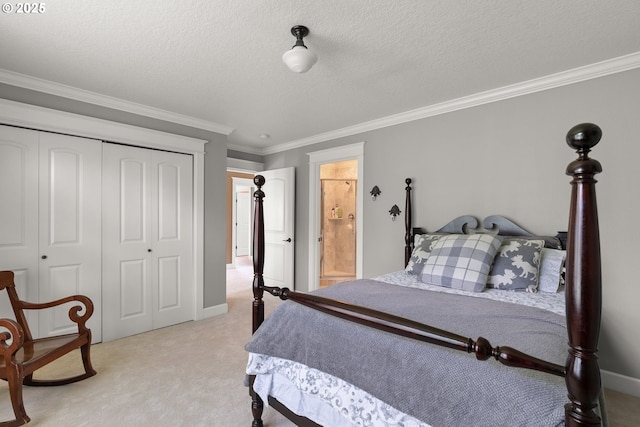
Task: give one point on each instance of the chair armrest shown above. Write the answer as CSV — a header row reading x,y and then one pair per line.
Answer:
x,y
74,315
15,332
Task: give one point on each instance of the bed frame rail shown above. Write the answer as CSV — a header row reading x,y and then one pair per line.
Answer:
x,y
415,330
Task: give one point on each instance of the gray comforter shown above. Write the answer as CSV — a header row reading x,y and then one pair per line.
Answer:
x,y
439,386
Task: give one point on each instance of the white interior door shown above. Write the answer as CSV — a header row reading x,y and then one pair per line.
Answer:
x,y
279,220
243,221
147,239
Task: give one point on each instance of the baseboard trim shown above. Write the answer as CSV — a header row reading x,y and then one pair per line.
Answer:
x,y
215,310
621,383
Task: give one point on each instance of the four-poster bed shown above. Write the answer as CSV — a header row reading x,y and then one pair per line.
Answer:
x,y
415,344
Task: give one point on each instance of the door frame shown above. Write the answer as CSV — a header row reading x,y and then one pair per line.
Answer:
x,y
235,183
316,159
40,118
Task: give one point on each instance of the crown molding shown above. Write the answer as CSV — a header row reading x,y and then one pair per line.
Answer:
x,y
245,149
564,78
57,89
41,118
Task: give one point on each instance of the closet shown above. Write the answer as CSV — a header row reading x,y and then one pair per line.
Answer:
x,y
109,221
147,245
50,188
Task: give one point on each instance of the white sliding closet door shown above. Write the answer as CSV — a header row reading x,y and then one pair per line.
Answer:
x,y
147,240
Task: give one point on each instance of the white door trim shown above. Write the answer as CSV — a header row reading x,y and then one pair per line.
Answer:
x,y
30,116
316,159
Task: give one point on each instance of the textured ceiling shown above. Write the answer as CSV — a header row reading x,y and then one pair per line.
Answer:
x,y
220,61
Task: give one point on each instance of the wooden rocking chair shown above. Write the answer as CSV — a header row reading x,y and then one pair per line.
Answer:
x,y
24,355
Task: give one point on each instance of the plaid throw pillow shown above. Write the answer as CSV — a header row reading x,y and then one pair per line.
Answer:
x,y
461,261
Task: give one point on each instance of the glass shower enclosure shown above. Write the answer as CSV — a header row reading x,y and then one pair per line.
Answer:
x,y
338,223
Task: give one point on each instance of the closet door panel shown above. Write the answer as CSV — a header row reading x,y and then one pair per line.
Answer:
x,y
168,202
127,246
133,292
169,283
172,207
132,214
65,198
63,280
19,215
69,228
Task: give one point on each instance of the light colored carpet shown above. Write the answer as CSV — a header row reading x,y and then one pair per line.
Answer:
x,y
190,374
185,375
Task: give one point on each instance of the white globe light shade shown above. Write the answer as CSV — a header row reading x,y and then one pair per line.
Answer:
x,y
299,59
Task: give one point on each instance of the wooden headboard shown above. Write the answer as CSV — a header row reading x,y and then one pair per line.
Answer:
x,y
494,224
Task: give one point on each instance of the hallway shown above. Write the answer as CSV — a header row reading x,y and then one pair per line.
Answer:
x,y
240,278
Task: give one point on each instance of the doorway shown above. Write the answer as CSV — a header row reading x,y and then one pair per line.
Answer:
x,y
338,182
241,217
243,221
317,160
237,182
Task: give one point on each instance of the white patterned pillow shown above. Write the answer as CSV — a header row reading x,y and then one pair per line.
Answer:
x,y
516,265
551,269
421,250
461,261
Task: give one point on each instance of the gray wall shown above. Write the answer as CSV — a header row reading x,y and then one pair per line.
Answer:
x,y
508,158
215,176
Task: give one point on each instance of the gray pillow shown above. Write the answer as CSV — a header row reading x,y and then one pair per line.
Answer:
x,y
461,261
421,250
516,265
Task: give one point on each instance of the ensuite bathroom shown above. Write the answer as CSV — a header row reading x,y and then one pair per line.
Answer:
x,y
338,222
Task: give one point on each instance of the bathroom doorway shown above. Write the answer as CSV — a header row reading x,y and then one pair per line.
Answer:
x,y
338,183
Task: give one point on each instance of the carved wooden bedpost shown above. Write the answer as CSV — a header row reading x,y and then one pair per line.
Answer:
x,y
583,282
258,287
407,222
258,254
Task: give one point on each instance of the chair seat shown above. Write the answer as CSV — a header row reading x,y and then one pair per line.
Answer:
x,y
33,354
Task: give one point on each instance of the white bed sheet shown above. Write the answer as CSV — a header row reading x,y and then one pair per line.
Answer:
x,y
553,302
323,398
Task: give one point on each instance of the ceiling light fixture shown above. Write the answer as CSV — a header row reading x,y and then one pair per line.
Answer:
x,y
299,59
